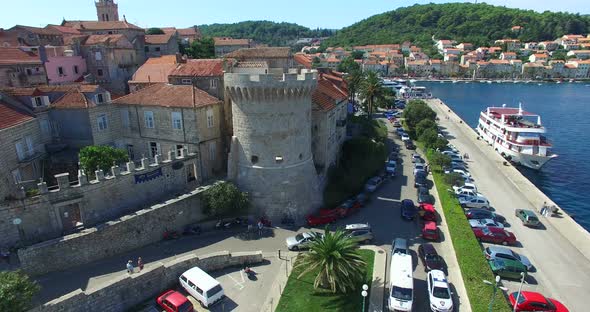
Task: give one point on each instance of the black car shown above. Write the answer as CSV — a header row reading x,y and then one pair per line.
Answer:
x,y
408,209
430,258
420,179
479,213
410,145
424,195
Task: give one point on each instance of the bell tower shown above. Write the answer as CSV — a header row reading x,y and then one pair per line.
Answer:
x,y
107,10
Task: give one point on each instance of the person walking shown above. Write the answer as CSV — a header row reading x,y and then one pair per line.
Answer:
x,y
140,264
544,208
130,267
260,227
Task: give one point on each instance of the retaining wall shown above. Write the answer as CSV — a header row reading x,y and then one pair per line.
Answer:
x,y
130,290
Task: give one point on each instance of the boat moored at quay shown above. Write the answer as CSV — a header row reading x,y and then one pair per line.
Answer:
x,y
515,134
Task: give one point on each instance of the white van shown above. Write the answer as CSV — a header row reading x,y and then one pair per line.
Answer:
x,y
201,286
401,283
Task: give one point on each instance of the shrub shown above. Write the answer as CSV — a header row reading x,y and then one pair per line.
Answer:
x,y
225,198
453,179
16,291
100,157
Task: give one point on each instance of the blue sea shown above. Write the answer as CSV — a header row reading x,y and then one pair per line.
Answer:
x,y
565,112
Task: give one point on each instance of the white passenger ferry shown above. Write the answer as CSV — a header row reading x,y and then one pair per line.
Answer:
x,y
516,134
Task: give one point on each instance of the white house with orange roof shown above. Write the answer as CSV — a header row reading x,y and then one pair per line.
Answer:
x,y
548,45
538,57
579,54
508,56
443,44
464,46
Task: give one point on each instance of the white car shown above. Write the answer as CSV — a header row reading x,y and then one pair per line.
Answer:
x,y
474,202
439,292
405,137
450,153
301,240
390,167
464,174
464,187
467,193
484,222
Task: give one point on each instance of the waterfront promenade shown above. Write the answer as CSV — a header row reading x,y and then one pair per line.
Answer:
x,y
560,251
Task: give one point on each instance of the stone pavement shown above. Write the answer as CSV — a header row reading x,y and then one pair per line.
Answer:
x,y
559,251
378,284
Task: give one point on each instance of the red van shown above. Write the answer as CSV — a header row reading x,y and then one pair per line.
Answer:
x,y
427,212
430,231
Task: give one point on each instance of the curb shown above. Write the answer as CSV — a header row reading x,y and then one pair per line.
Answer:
x,y
378,283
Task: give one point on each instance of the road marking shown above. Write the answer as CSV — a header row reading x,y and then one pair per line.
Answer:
x,y
389,199
240,285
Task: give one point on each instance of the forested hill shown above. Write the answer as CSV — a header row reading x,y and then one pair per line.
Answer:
x,y
271,33
467,22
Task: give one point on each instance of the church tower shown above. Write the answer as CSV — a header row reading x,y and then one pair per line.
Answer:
x,y
107,10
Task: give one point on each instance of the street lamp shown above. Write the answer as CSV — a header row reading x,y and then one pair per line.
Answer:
x,y
364,293
519,290
496,286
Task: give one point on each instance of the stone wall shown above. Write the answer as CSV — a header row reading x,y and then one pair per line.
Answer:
x,y
130,290
114,237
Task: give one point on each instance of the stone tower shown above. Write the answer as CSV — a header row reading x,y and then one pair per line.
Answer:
x,y
270,154
107,10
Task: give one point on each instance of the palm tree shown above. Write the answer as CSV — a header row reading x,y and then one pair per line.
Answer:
x,y
371,91
353,80
339,263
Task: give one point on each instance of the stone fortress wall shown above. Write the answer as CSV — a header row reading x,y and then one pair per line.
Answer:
x,y
270,154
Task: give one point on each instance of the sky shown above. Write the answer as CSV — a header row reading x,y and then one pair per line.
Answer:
x,y
183,13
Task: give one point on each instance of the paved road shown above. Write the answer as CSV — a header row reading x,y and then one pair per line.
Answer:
x,y
563,272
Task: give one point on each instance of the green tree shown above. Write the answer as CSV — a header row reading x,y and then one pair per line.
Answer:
x,y
341,267
203,48
16,291
100,157
424,125
316,62
415,112
154,31
428,137
440,143
357,55
453,179
371,91
440,160
225,198
354,79
348,65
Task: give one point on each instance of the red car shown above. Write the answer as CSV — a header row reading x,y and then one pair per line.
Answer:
x,y
430,231
324,217
496,235
534,301
173,301
345,209
427,211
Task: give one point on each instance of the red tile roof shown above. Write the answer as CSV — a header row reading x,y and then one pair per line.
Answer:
x,y
11,56
199,68
72,100
153,73
224,41
99,25
11,116
260,53
164,59
22,91
39,31
303,60
64,29
168,95
324,102
158,39
113,40
191,31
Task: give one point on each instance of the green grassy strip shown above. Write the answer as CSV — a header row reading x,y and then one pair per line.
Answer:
x,y
473,265
299,294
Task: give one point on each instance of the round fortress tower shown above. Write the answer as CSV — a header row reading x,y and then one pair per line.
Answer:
x,y
270,155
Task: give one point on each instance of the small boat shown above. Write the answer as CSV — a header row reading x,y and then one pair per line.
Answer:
x,y
515,81
539,84
571,80
558,82
489,81
455,81
442,81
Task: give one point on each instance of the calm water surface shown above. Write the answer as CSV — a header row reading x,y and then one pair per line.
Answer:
x,y
565,112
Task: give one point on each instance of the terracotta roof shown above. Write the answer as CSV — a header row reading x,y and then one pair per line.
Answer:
x,y
39,31
199,68
99,25
11,116
499,61
540,55
324,102
8,37
303,60
158,39
10,56
168,95
156,72
87,88
73,99
164,59
224,41
64,29
190,31
258,64
258,53
581,51
107,40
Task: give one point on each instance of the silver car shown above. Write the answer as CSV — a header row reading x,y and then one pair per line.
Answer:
x,y
302,240
360,232
484,222
493,252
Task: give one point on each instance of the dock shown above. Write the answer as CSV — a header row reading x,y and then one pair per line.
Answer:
x,y
560,251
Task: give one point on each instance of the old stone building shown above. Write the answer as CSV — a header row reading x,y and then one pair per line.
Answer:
x,y
21,67
158,45
35,36
185,36
279,59
154,70
225,45
165,118
107,10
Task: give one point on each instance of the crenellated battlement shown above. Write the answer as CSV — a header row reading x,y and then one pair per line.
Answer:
x,y
258,87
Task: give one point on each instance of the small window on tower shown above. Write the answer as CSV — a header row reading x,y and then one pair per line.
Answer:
x,y
279,159
254,159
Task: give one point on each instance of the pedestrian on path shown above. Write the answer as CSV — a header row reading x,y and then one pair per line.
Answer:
x,y
544,208
130,267
140,264
260,227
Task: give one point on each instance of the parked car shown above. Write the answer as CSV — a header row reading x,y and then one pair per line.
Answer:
x,y
456,158
410,145
427,211
348,207
397,124
485,222
528,217
490,234
420,179
430,231
373,183
424,196
400,245
416,158
455,165
478,213
391,167
474,202
430,258
173,301
405,137
450,152
534,301
499,252
400,131
362,198
509,269
302,240
319,219
464,174
408,209
360,232
466,186
467,194
419,167
393,156
439,291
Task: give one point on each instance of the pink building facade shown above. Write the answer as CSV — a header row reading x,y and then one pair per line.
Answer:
x,y
62,66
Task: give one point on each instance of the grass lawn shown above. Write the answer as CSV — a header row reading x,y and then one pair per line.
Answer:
x,y
300,296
